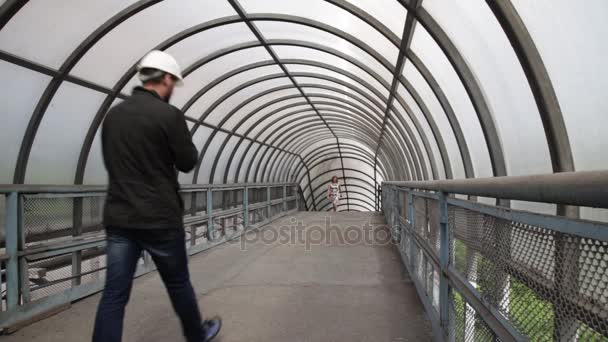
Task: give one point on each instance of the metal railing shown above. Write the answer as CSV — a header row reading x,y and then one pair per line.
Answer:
x,y
53,240
489,273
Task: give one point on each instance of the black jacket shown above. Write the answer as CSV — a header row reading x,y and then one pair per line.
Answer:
x,y
144,141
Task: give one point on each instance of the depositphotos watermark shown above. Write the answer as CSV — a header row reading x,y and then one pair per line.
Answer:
x,y
326,233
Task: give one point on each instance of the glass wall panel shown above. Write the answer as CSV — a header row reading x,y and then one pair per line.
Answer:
x,y
277,162
417,137
44,31
59,139
254,162
199,139
113,55
212,150
248,161
571,38
294,52
425,127
223,161
438,64
18,103
95,170
436,111
324,12
235,161
390,142
480,38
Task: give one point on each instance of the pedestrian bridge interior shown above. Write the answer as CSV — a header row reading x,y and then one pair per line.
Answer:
x,y
471,133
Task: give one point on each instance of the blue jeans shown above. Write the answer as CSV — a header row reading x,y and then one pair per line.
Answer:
x,y
168,251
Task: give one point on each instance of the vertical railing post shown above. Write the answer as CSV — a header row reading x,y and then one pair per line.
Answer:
x,y
210,229
296,192
268,203
245,207
193,208
284,198
412,209
396,208
77,231
13,232
444,259
24,279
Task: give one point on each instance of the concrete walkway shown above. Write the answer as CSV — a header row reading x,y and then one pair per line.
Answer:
x,y
286,282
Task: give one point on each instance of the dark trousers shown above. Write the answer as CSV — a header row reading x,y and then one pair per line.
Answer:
x,y
168,251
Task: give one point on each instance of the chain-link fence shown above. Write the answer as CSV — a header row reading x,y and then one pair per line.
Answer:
x,y
507,275
53,252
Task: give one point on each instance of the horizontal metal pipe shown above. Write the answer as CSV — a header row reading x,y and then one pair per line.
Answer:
x,y
582,188
74,189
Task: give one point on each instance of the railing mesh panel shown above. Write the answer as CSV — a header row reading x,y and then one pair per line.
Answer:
x,y
466,325
548,285
426,222
49,217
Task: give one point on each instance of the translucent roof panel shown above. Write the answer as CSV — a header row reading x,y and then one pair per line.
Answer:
x,y
35,33
324,12
75,105
296,52
277,30
389,12
216,71
435,60
570,37
256,103
113,55
231,95
475,31
261,124
438,115
18,102
204,175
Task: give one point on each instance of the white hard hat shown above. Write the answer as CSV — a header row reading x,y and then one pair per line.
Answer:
x,y
162,61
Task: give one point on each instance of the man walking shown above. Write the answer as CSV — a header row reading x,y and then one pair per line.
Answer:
x,y
144,141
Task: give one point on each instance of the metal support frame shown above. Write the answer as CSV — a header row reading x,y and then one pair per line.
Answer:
x,y
504,11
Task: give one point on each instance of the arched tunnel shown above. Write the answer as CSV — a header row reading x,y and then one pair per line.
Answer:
x,y
382,94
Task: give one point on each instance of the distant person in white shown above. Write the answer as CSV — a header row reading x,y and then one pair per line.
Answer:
x,y
333,192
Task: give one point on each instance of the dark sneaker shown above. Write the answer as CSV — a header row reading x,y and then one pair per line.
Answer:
x,y
211,328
